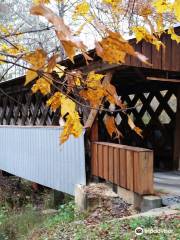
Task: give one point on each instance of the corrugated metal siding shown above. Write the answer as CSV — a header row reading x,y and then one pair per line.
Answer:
x,y
34,153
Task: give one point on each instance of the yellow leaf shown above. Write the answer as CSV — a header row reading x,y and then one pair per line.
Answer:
x,y
37,59
41,1
176,7
94,80
72,126
63,32
59,69
17,49
67,106
159,23
112,3
30,76
162,6
114,48
94,96
174,36
81,9
141,33
54,101
145,11
42,85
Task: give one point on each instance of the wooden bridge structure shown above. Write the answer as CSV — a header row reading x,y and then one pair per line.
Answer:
x,y
152,93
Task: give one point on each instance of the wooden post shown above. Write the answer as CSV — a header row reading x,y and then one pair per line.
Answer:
x,y
176,157
94,131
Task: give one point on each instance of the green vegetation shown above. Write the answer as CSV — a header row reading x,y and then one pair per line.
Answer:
x,y
69,225
23,217
16,225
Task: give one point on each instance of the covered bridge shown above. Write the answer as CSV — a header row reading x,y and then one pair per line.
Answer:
x,y
151,92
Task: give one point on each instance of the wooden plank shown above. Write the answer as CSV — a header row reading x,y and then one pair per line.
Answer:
x,y
129,170
123,177
126,147
163,79
99,67
94,160
111,164
93,170
116,165
175,56
137,182
100,160
94,131
167,53
145,173
156,58
147,51
134,61
105,162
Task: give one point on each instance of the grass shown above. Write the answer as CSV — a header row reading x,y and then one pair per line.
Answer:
x,y
67,224
16,225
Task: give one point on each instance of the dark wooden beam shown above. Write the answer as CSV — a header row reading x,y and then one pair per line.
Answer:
x,y
100,67
163,79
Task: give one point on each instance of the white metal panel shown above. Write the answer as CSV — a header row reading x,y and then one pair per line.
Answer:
x,y
34,153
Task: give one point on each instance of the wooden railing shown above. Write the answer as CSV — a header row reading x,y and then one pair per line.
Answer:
x,y
126,166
